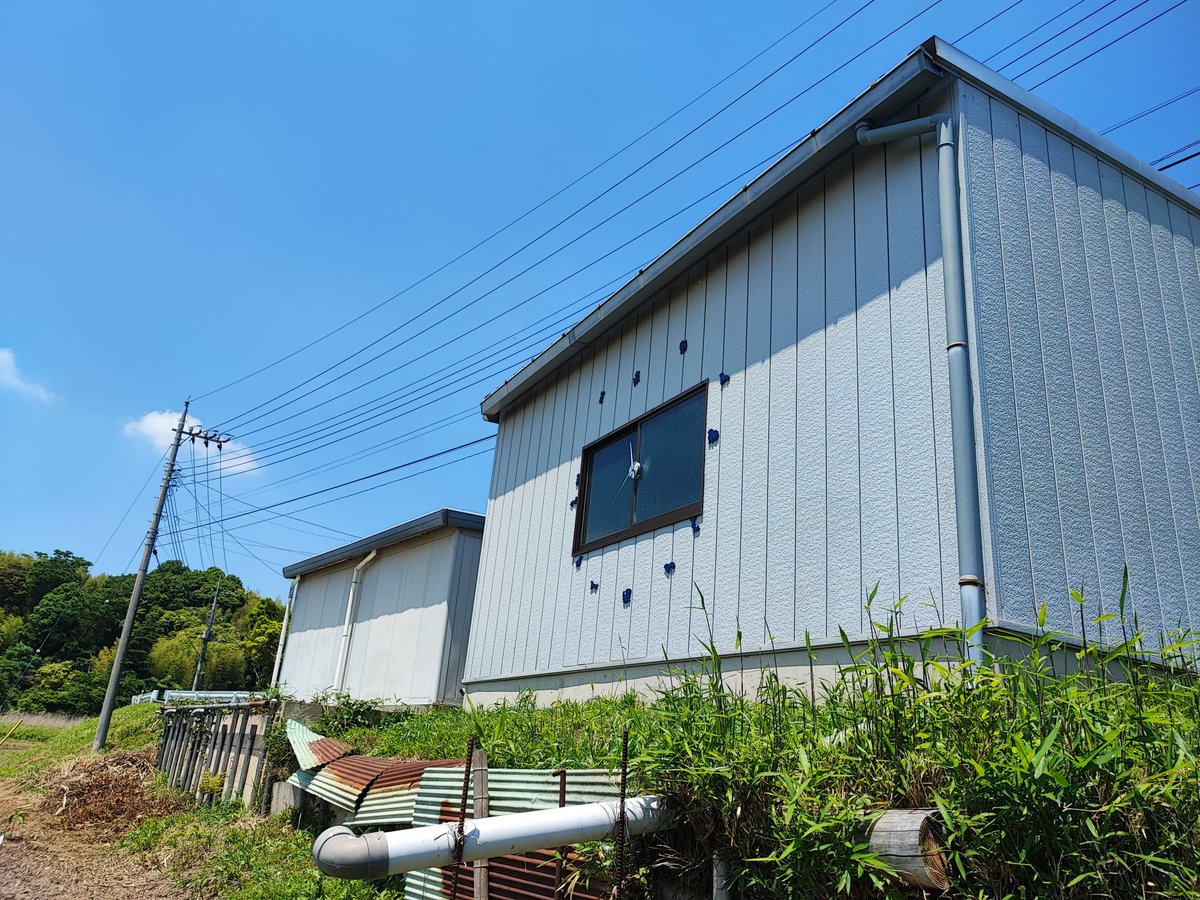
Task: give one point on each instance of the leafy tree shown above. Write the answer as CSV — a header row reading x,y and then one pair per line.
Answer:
x,y
15,664
10,627
14,575
173,662
50,602
64,687
48,572
72,621
259,621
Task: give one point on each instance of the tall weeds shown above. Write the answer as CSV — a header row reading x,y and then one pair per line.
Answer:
x,y
1056,772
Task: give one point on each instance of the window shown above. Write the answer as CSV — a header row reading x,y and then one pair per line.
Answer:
x,y
648,474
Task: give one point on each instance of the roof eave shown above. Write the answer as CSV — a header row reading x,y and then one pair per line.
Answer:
x,y
888,96
971,70
406,531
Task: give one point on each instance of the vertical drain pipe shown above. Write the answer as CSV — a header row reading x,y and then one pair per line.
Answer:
x,y
283,631
962,419
339,673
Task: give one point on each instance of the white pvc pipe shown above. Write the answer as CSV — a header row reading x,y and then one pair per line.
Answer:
x,y
339,673
283,630
342,854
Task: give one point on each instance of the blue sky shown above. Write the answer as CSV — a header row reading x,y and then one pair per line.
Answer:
x,y
192,191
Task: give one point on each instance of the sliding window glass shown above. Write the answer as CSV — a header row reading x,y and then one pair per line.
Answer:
x,y
648,474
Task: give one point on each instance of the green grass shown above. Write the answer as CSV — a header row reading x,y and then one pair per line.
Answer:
x,y
1046,784
220,851
34,748
1056,772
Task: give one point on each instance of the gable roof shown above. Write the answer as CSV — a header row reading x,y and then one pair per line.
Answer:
x,y
898,90
414,528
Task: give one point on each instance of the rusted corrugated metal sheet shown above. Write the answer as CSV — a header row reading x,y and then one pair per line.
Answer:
x,y
375,791
524,877
313,750
393,794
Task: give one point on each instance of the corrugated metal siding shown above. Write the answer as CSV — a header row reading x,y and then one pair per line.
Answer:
x,y
400,626
509,791
410,629
315,631
462,599
1087,318
832,469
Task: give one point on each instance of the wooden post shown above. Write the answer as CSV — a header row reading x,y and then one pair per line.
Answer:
x,y
479,772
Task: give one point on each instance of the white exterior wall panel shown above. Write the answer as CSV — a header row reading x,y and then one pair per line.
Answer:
x,y
824,479
1085,301
400,623
315,631
412,619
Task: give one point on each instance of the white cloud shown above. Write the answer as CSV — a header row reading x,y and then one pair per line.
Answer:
x,y
10,378
158,429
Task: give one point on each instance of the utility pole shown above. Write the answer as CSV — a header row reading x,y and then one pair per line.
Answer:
x,y
208,636
207,436
114,678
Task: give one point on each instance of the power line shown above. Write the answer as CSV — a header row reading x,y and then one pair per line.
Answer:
x,y
390,482
1057,34
987,22
1178,161
557,316
1109,44
403,465
258,454
1032,31
1175,152
1079,40
229,423
658,187
534,208
132,503
1152,109
374,449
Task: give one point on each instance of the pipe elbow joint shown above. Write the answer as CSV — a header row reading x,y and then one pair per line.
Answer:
x,y
340,853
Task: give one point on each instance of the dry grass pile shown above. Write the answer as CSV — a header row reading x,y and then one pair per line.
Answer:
x,y
114,791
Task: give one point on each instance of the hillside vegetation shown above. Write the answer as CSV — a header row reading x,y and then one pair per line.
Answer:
x,y
59,626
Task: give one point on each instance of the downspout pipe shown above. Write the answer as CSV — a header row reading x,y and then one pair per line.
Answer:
x,y
283,631
339,673
341,853
962,417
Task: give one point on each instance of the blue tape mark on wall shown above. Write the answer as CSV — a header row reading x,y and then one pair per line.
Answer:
x,y
723,378
578,561
595,587
574,500
637,377
669,568
695,525
713,436
683,346
627,596
602,396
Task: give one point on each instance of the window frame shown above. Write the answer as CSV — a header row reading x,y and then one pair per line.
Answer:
x,y
634,426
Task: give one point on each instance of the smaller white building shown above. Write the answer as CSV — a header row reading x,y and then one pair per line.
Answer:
x,y
387,617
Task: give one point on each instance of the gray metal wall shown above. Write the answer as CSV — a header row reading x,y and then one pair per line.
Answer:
x,y
409,631
832,471
1087,318
315,631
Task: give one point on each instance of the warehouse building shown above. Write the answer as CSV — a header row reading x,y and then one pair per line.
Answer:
x,y
766,426
385,618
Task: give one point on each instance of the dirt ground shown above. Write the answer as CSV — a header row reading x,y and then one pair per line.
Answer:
x,y
40,859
